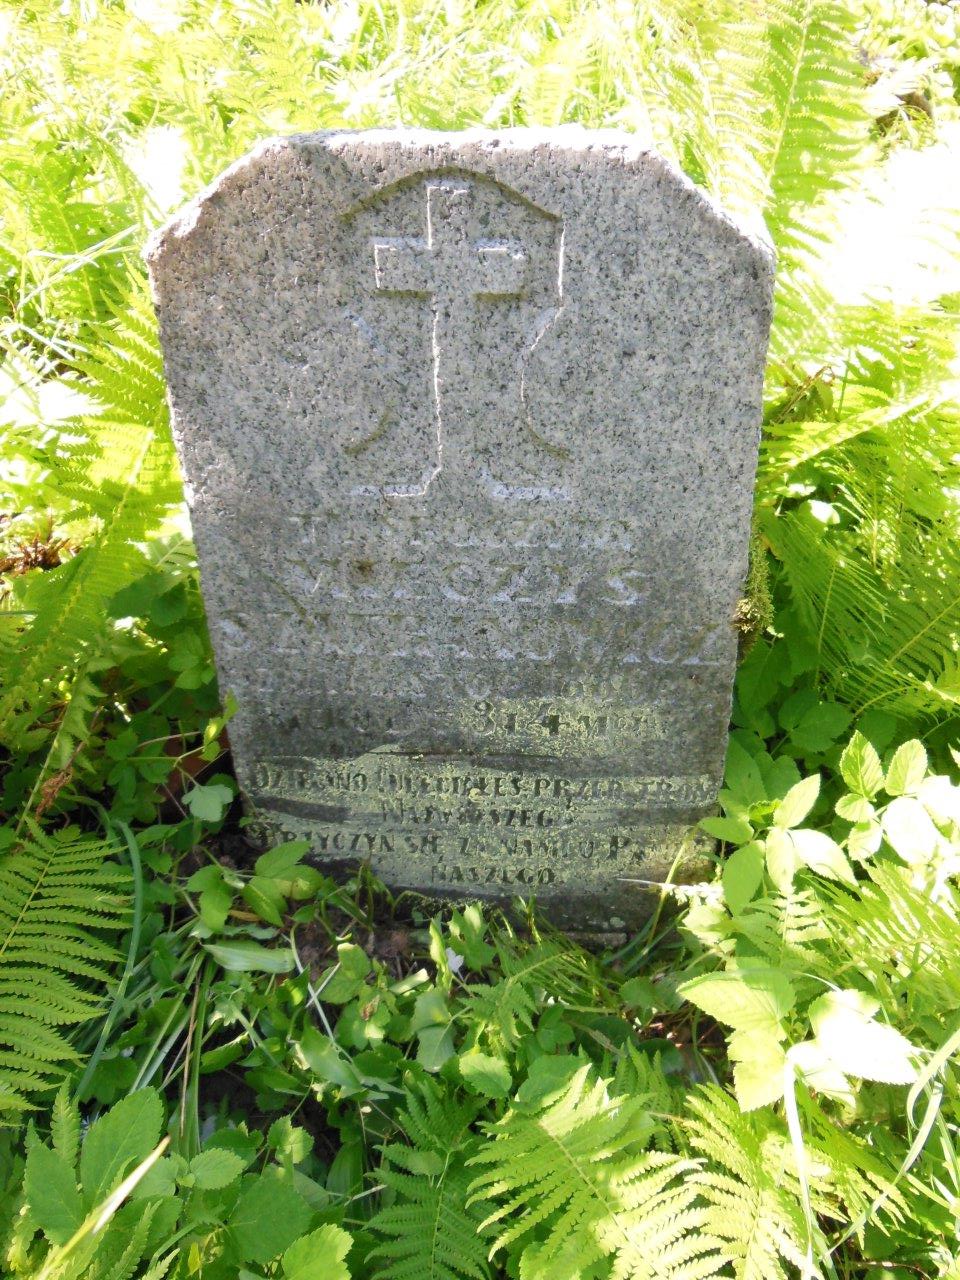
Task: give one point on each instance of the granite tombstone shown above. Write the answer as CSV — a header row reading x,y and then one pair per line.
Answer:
x,y
469,424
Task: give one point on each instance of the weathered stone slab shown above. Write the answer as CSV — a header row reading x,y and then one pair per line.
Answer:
x,y
469,426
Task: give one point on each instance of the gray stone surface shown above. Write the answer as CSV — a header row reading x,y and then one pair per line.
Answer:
x,y
469,426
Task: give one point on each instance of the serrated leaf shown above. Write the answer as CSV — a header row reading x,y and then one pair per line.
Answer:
x,y
751,1000
51,1191
270,1215
210,802
860,767
909,829
289,1141
782,859
758,1058
216,1168
797,803
490,1077
65,1126
843,1024
854,808
265,899
742,876
733,830
318,1256
279,862
816,850
124,1136
907,769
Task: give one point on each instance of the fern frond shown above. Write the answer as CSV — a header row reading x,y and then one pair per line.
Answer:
x,y
569,1179
903,937
817,128
561,972
752,1196
431,1231
61,899
68,604
896,652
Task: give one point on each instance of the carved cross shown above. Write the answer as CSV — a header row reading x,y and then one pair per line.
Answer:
x,y
451,267
446,261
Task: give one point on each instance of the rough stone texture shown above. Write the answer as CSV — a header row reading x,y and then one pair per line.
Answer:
x,y
469,426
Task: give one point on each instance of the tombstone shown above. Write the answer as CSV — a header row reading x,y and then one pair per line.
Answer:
x,y
469,424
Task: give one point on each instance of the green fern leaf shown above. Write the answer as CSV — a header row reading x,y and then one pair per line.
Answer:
x,y
568,1180
551,970
431,1232
61,898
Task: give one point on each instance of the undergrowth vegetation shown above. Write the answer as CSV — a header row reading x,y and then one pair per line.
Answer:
x,y
234,1069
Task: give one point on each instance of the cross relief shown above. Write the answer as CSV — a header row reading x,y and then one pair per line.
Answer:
x,y
446,261
452,266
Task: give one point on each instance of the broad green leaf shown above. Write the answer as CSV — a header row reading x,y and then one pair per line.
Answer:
x,y
279,862
752,1000
758,1058
487,1076
160,1179
123,1137
797,803
208,877
246,956
816,850
860,767
864,840
733,830
214,906
547,1077
909,829
742,775
318,1256
817,1071
51,1191
843,1024
742,876
327,1060
210,802
215,1168
783,861
290,1141
264,898
855,808
436,1046
779,776
907,768
269,1216
431,1009
354,961
821,726
796,706
347,978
